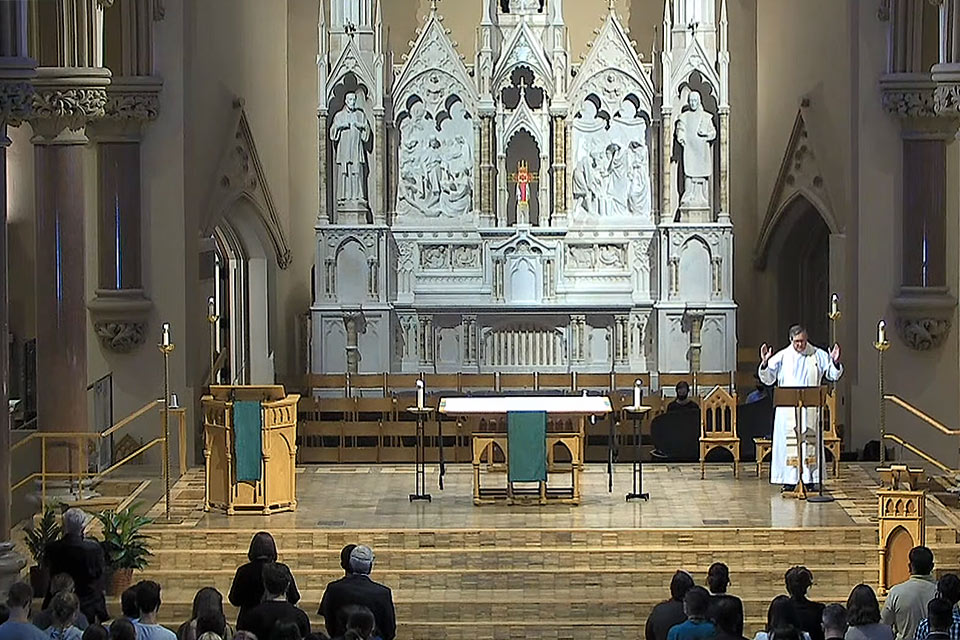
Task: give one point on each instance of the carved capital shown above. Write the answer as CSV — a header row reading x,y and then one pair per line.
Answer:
x,y
133,98
924,316
67,99
120,318
16,89
947,94
908,95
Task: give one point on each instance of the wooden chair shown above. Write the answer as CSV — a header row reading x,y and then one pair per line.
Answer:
x,y
323,438
711,380
367,384
671,380
363,439
718,427
763,447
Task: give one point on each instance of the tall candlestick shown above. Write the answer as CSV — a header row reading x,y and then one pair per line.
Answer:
x,y
165,334
419,394
881,331
637,393
834,304
211,307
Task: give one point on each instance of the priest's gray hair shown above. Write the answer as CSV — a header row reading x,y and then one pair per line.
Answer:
x,y
74,520
795,331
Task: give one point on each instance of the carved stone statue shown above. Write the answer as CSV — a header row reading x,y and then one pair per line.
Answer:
x,y
695,133
629,130
350,131
524,6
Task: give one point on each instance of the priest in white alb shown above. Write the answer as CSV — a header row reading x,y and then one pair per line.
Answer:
x,y
799,364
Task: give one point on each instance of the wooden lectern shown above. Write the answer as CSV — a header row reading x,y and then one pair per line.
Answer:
x,y
234,481
800,399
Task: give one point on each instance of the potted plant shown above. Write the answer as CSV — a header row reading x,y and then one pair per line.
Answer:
x,y
124,545
41,533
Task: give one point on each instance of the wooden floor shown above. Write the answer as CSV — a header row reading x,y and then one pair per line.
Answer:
x,y
589,571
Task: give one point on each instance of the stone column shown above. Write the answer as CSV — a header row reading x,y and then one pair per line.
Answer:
x,y
488,216
928,122
16,71
120,308
65,100
621,339
559,217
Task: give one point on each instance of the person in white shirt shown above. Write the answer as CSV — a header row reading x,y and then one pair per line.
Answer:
x,y
148,601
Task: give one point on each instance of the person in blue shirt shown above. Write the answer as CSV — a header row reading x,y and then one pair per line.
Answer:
x,y
18,625
696,603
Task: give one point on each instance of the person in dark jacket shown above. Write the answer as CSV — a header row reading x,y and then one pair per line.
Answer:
x,y
358,589
83,560
262,619
669,613
810,614
246,591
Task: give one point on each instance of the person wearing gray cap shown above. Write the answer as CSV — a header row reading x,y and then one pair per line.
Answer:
x,y
358,589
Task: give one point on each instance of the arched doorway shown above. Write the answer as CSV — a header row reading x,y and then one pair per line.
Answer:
x,y
800,256
244,290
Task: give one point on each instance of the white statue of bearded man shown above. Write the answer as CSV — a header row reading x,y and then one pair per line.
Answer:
x,y
350,131
695,133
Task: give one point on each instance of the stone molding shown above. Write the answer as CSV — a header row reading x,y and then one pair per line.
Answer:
x,y
924,316
67,99
947,94
120,318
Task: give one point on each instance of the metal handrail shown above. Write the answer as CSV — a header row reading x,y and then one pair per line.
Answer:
x,y
81,475
933,422
903,443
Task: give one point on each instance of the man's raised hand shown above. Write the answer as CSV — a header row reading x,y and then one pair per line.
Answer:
x,y
835,353
765,352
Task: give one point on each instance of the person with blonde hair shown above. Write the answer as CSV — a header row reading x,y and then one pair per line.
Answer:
x,y
64,607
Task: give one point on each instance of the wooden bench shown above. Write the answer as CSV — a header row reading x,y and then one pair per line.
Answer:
x,y
718,427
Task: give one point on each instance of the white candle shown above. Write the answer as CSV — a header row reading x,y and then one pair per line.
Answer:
x,y
881,332
636,393
419,394
211,307
834,304
165,334
174,403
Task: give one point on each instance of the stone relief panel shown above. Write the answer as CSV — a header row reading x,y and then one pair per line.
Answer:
x,y
596,257
455,257
611,161
435,115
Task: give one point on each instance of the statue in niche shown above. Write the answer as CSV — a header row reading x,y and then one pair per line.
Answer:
x,y
435,159
350,131
695,133
524,179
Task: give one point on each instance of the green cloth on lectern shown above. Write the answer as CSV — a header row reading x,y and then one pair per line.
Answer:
x,y
527,446
247,434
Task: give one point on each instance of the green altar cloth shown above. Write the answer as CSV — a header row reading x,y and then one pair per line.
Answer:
x,y
247,445
527,446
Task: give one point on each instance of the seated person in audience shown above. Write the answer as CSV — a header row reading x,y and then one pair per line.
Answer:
x,y
939,617
128,604
760,393
208,601
727,617
798,581
4,612
212,626
60,583
275,608
863,616
345,558
781,615
123,629
358,589
834,622
906,604
64,607
18,625
247,588
669,613
285,630
696,604
360,624
948,588
83,560
95,632
148,602
718,578
682,401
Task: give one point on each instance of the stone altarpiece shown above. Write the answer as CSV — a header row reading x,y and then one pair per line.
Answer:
x,y
524,212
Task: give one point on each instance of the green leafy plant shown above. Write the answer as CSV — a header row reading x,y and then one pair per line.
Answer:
x,y
124,543
41,533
